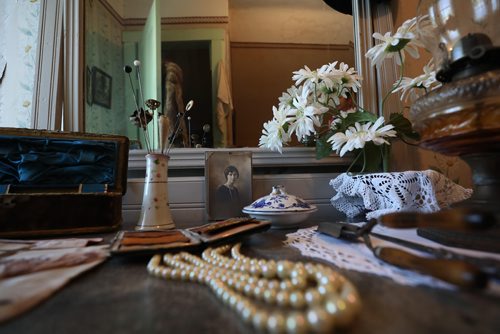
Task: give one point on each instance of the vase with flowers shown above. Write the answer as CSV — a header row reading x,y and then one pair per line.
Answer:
x,y
321,106
155,209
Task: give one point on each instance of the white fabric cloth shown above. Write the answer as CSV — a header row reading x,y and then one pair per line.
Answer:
x,y
352,255
355,256
382,193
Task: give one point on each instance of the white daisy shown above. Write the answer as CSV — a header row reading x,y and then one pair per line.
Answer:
x,y
349,77
305,75
280,114
273,136
425,31
327,96
353,138
403,40
337,141
345,113
328,76
334,122
304,115
288,96
407,29
426,81
378,135
356,137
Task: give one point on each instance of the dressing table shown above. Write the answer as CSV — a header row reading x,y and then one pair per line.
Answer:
x,y
119,296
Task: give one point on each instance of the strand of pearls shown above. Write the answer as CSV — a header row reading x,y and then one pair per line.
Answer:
x,y
310,297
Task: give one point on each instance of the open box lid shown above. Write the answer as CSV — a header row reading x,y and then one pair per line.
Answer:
x,y
42,159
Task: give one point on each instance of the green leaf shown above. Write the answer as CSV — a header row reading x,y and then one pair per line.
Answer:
x,y
323,148
359,117
414,136
400,122
400,46
368,160
403,127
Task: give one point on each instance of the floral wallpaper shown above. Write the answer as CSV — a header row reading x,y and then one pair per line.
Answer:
x,y
19,20
103,50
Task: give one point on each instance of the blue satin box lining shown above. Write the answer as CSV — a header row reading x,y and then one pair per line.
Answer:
x,y
32,161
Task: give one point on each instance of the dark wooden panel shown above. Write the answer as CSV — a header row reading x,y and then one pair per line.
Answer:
x,y
261,72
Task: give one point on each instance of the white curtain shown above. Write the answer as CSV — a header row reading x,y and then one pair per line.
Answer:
x,y
19,20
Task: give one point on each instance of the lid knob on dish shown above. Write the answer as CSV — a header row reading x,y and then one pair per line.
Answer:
x,y
278,190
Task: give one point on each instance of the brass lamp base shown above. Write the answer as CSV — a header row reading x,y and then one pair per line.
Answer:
x,y
462,118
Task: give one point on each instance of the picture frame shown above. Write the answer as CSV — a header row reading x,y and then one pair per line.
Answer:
x,y
101,88
228,178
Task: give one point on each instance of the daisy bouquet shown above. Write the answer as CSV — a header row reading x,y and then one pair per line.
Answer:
x,y
320,106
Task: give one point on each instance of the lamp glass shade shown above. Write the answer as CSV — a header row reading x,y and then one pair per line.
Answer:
x,y
459,31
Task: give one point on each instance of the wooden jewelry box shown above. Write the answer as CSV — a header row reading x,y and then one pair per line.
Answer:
x,y
191,239
60,182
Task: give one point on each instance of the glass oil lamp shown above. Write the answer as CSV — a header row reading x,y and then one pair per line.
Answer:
x,y
462,118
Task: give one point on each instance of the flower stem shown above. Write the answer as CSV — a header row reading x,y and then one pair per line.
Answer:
x,y
386,157
397,83
364,160
355,160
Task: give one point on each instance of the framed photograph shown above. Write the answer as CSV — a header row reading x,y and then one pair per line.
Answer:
x,y
101,88
88,86
228,177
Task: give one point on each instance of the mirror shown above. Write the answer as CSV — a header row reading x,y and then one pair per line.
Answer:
x,y
257,43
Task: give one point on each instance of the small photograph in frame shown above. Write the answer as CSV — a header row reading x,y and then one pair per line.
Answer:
x,y
228,177
101,88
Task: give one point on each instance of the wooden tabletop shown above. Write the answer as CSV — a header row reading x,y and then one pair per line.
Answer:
x,y
119,296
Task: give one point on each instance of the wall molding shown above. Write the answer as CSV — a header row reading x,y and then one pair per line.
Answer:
x,y
136,21
130,22
112,11
264,45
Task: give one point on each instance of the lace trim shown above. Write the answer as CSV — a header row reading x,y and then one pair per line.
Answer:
x,y
354,256
382,193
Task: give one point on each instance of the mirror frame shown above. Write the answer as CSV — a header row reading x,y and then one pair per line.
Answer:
x,y
59,86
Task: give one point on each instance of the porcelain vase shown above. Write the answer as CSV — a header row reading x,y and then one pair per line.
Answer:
x,y
155,209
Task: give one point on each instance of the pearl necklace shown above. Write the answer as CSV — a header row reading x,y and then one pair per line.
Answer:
x,y
309,297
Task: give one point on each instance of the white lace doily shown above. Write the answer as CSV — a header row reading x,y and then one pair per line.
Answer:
x,y
382,193
354,256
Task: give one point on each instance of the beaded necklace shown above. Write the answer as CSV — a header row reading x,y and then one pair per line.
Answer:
x,y
272,296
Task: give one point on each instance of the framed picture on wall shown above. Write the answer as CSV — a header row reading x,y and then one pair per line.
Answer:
x,y
228,177
101,88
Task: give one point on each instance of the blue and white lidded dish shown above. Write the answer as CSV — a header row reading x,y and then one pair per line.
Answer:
x,y
279,201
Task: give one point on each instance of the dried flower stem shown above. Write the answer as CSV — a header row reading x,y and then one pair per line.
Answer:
x,y
142,125
174,135
178,124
